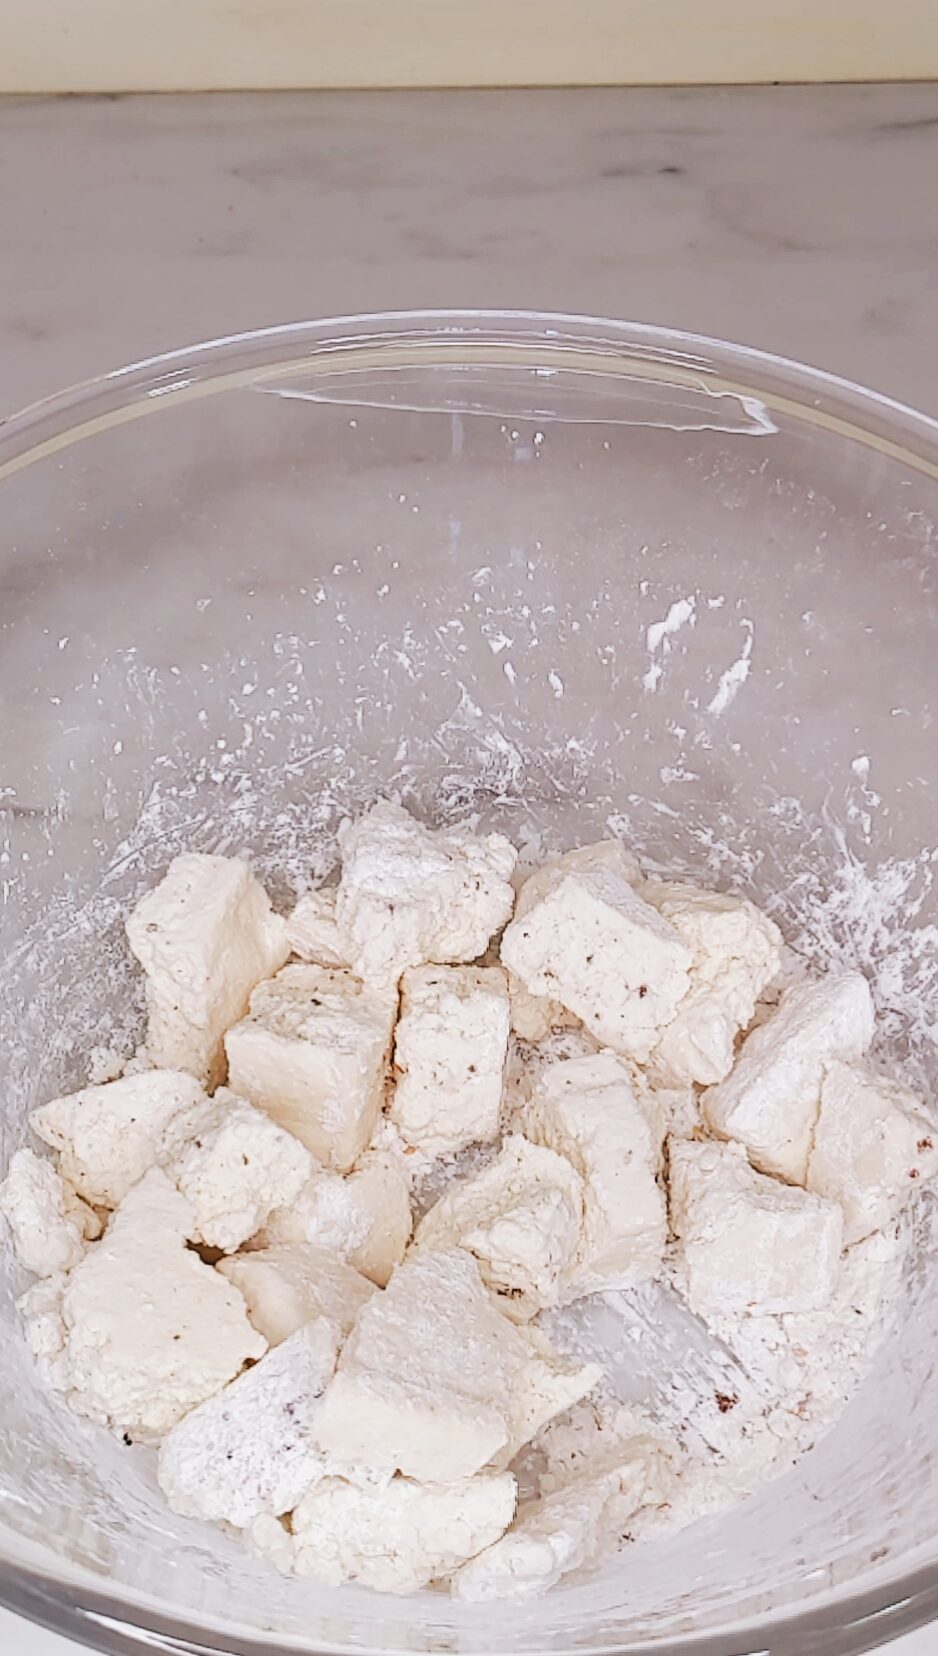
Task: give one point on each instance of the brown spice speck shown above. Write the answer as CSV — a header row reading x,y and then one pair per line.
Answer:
x,y
925,1144
726,1401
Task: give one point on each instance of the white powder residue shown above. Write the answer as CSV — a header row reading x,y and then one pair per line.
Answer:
x,y
681,612
658,635
732,681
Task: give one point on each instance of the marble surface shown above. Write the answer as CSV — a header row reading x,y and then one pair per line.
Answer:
x,y
804,221
801,220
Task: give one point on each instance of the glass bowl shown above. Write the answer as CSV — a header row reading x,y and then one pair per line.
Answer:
x,y
569,577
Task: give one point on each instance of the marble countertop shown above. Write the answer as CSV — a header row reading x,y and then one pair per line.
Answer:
x,y
804,221
801,220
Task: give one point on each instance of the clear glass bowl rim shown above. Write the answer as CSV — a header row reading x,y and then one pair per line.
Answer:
x,y
859,1620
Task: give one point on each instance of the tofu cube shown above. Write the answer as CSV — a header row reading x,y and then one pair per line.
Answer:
x,y
550,1385
287,1285
410,895
108,1136
312,929
204,937
560,1532
872,1149
49,1224
235,1168
449,1055
770,1100
535,1017
426,1380
750,1243
43,1330
313,1052
249,1449
604,856
736,952
365,1218
520,1218
587,1110
583,936
149,1332
400,1536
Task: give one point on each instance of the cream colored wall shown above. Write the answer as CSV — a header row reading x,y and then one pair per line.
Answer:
x,y
113,45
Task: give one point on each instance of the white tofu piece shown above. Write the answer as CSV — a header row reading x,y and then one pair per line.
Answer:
x,y
873,1147
587,1110
235,1168
397,1538
270,1539
558,1533
249,1449
603,856
449,1055
204,937
583,936
149,1332
41,1311
313,931
770,1100
750,1243
313,1052
675,1105
520,1218
108,1136
286,1285
365,1217
550,1385
410,895
526,1064
49,1224
736,952
535,1017
427,1378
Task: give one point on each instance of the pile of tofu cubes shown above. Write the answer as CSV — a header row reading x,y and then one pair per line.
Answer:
x,y
224,1237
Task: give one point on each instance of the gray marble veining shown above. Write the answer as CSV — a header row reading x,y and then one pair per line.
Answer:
x,y
801,220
